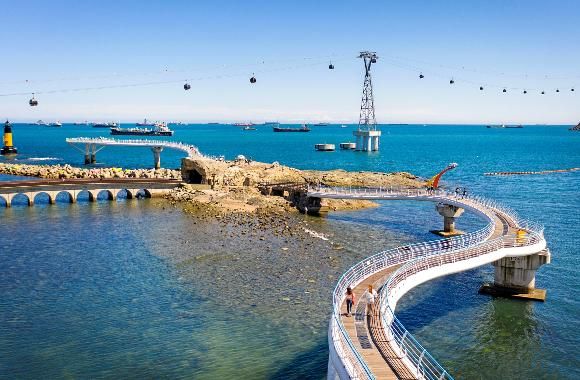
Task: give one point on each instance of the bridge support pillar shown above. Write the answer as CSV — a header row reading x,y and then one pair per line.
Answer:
x,y
157,156
516,277
449,213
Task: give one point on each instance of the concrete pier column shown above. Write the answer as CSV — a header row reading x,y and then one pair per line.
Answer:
x,y
449,213
157,156
375,143
94,154
369,144
516,277
87,154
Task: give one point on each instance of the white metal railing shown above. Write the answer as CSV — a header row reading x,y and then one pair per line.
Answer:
x,y
191,150
454,249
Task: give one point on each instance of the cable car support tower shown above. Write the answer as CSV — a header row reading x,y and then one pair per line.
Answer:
x,y
367,135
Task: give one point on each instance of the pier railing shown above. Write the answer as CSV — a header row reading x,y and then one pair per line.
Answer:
x,y
191,150
414,354
419,256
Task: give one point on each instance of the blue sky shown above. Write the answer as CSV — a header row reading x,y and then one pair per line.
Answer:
x,y
61,45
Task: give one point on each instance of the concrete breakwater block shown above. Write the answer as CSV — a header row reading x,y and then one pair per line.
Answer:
x,y
325,147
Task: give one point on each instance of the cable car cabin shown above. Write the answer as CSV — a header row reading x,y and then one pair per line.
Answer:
x,y
33,102
525,91
331,67
504,90
557,90
481,88
451,81
543,92
186,86
421,76
253,80
373,60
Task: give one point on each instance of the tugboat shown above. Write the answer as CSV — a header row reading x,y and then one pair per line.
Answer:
x,y
303,128
160,129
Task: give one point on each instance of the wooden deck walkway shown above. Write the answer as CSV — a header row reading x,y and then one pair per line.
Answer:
x,y
367,333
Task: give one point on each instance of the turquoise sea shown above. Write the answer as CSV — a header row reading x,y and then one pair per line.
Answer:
x,y
138,289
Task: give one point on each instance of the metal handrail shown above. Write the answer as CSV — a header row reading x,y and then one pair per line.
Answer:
x,y
424,363
191,150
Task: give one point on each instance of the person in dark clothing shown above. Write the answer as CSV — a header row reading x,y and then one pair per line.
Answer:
x,y
349,301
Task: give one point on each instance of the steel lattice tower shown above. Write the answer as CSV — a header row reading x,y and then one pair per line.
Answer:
x,y
367,119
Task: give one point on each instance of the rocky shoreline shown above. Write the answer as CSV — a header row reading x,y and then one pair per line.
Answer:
x,y
234,186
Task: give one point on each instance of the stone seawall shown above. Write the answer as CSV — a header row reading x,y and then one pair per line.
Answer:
x,y
68,172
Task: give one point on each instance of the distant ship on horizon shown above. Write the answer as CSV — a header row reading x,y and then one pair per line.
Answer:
x,y
145,123
111,124
303,128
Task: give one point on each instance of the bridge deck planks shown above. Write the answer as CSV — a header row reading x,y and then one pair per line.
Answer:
x,y
364,334
368,335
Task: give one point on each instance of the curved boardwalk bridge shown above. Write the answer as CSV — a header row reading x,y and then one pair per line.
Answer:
x,y
132,187
378,346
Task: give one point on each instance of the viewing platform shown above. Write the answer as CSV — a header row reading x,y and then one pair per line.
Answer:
x,y
378,346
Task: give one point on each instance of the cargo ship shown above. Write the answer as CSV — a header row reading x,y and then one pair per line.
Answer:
x,y
303,128
105,125
159,129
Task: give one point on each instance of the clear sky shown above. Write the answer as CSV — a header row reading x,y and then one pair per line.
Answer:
x,y
58,45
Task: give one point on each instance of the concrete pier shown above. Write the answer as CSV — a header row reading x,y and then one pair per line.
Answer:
x,y
449,213
515,277
367,140
157,156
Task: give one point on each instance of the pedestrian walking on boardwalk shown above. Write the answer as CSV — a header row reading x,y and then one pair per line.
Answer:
x,y
349,301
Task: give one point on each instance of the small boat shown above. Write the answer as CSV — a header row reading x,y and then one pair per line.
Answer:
x,y
145,123
248,128
303,128
160,129
343,126
56,124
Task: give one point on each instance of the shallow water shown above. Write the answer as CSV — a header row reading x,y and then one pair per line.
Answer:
x,y
139,289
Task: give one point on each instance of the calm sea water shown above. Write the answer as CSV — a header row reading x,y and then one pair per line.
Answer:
x,y
138,289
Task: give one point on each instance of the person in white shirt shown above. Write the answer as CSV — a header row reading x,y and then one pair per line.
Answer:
x,y
372,297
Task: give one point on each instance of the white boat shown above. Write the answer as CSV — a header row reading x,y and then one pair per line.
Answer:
x,y
343,126
56,124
